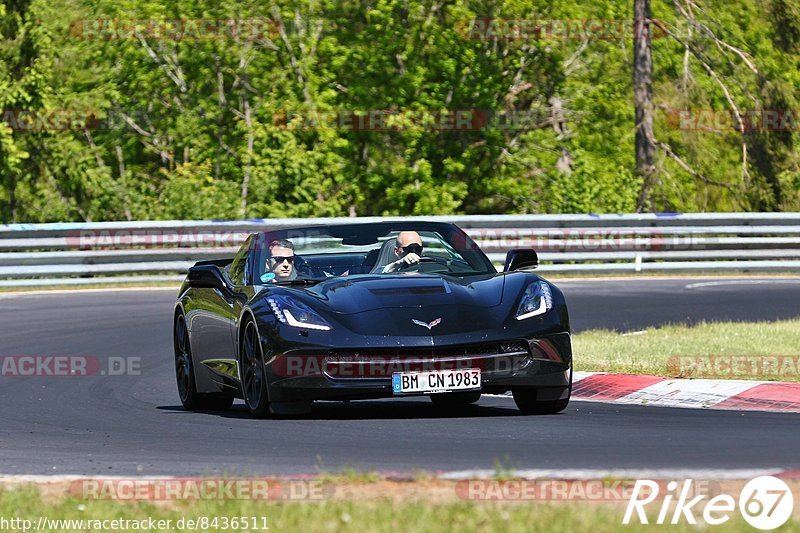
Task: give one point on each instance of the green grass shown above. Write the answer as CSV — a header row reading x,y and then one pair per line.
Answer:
x,y
705,350
367,516
349,474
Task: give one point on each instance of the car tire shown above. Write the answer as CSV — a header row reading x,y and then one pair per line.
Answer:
x,y
528,404
452,400
252,372
185,377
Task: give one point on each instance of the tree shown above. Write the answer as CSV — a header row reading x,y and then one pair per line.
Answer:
x,y
643,101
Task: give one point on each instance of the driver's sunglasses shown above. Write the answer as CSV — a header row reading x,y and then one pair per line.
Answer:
x,y
280,259
413,249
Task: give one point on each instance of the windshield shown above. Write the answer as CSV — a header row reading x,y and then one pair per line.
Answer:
x,y
319,253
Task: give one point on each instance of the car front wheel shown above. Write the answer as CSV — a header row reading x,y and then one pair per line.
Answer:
x,y
254,379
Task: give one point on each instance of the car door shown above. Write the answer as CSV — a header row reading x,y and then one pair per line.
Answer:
x,y
213,326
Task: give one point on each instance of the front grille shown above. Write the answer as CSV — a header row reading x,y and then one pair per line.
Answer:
x,y
382,362
464,350
498,359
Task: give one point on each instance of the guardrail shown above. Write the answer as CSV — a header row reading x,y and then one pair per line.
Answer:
x,y
121,252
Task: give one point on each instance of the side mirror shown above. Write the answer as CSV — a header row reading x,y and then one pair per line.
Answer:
x,y
521,259
206,276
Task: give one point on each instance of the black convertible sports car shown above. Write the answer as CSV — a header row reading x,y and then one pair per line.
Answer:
x,y
352,311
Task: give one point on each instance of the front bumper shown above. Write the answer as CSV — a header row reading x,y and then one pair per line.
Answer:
x,y
543,363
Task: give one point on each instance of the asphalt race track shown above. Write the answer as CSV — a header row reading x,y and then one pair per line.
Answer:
x,y
133,424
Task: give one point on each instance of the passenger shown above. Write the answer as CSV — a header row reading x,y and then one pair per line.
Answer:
x,y
407,249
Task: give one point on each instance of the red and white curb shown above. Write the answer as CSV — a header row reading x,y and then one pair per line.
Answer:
x,y
731,394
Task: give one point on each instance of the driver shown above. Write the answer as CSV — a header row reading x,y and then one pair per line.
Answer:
x,y
280,264
407,249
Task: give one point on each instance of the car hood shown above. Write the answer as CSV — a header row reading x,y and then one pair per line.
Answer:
x,y
357,294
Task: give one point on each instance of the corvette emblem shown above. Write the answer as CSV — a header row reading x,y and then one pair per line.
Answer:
x,y
428,325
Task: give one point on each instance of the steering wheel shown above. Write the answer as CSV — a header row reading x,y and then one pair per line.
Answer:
x,y
426,259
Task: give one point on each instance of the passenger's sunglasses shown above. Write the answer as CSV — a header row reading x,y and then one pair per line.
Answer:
x,y
280,259
413,249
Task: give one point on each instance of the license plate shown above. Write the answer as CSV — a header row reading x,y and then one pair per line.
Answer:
x,y
436,381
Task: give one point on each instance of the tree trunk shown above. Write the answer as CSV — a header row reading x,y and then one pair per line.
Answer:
x,y
12,198
248,119
643,102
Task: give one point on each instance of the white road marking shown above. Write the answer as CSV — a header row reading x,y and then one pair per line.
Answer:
x,y
740,282
634,333
691,393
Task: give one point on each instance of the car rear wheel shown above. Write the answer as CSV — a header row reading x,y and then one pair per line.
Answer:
x,y
526,400
455,399
254,379
184,375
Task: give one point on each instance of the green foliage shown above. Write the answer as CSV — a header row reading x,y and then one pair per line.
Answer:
x,y
659,351
197,127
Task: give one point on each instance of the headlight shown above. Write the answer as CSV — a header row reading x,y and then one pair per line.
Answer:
x,y
537,300
296,314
